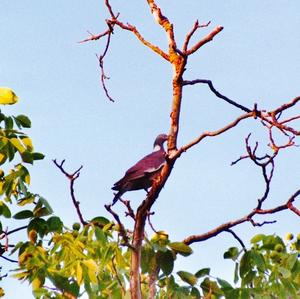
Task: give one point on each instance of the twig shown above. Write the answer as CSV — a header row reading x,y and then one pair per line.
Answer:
x,y
217,93
8,259
16,230
247,218
211,134
117,275
72,178
103,77
205,40
237,238
95,37
129,208
121,226
191,33
150,223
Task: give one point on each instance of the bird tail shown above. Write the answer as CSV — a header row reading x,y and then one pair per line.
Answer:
x,y
117,196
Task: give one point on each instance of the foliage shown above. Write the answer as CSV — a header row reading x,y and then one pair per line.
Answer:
x,y
61,262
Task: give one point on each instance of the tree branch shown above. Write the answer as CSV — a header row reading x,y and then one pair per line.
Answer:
x,y
191,33
205,40
217,93
237,238
211,134
247,218
121,229
72,178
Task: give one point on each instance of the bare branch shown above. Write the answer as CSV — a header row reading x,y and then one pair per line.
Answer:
x,y
101,64
237,238
130,211
205,40
149,221
164,22
286,106
95,37
191,33
218,94
247,218
134,30
72,177
122,230
13,231
8,259
211,134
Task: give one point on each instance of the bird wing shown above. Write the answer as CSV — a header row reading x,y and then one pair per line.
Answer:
x,y
146,165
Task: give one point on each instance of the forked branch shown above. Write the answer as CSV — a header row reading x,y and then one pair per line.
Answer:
x,y
72,178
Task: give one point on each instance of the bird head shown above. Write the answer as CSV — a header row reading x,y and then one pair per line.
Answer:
x,y
159,141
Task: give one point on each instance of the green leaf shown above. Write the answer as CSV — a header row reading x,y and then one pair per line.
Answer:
x,y
269,242
257,238
236,273
188,277
211,287
7,96
195,293
23,120
258,260
27,157
284,272
165,261
41,212
46,204
26,200
102,221
231,253
38,156
224,284
23,214
39,225
9,123
181,248
291,260
4,210
100,235
245,265
10,151
54,224
147,256
202,272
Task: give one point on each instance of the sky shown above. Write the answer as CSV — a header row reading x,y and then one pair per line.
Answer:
x,y
255,59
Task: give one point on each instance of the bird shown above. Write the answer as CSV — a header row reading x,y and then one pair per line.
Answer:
x,y
144,172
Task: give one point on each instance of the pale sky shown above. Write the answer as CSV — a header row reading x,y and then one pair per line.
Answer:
x,y
254,59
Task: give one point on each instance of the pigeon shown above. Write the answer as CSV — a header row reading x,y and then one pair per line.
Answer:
x,y
144,172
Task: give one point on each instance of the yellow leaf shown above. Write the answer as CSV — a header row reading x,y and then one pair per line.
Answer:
x,y
7,96
79,273
1,187
36,283
92,269
28,143
2,158
17,144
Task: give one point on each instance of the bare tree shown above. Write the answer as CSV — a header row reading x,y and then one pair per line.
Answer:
x,y
273,120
